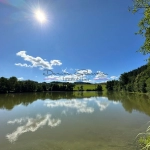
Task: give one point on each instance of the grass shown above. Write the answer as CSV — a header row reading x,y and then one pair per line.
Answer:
x,y
144,140
85,87
89,87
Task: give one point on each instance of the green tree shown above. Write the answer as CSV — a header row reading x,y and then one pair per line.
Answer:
x,y
99,87
124,78
12,81
29,86
3,85
109,85
81,88
148,85
19,86
39,88
144,24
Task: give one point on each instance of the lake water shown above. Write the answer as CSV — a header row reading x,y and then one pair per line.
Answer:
x,y
72,121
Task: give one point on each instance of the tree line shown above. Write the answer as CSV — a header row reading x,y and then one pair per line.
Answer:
x,y
13,85
137,80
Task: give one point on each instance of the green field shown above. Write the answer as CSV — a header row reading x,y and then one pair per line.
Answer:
x,y
89,87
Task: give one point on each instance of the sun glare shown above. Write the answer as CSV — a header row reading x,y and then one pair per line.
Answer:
x,y
40,16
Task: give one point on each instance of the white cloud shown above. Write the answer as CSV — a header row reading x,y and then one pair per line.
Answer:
x,y
31,125
21,78
23,65
53,77
37,61
55,62
113,77
83,71
69,78
100,75
84,75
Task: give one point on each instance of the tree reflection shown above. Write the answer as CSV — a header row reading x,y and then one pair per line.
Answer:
x,y
9,101
131,101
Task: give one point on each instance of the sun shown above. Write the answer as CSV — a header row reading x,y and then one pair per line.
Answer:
x,y
40,16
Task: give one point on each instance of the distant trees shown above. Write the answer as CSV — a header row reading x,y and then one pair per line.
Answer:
x,y
137,80
99,88
13,85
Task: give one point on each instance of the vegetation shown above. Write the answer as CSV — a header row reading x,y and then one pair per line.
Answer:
x,y
143,140
89,87
13,85
137,80
144,24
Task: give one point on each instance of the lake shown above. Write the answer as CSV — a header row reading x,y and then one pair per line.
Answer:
x,y
72,121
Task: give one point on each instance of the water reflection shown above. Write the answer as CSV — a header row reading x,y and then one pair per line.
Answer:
x,y
79,115
130,102
9,101
31,125
81,106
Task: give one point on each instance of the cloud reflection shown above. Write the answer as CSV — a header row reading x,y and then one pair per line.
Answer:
x,y
31,125
102,105
81,106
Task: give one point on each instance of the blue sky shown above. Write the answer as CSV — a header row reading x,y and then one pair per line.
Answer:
x,y
98,35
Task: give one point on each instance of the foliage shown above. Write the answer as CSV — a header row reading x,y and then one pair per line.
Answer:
x,y
12,85
99,88
137,80
3,85
144,140
144,24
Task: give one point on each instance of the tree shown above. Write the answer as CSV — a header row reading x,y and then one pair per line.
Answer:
x,y
144,23
3,85
109,85
12,81
124,78
29,86
148,85
99,87
19,86
39,88
81,88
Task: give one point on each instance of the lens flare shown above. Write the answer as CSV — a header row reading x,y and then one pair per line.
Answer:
x,y
40,16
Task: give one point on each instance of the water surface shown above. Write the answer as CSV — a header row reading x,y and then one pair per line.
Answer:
x,y
72,121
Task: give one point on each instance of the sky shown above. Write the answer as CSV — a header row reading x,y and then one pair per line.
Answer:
x,y
94,39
